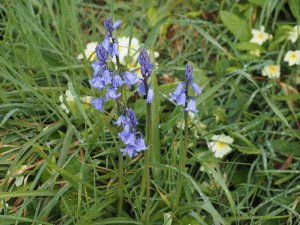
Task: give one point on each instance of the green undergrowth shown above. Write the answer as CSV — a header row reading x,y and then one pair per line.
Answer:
x,y
71,159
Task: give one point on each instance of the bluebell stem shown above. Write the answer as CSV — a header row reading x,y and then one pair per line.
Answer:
x,y
110,81
181,97
145,89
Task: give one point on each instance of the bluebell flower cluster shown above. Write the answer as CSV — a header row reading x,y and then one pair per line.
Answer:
x,y
103,78
109,42
133,140
108,82
180,94
144,88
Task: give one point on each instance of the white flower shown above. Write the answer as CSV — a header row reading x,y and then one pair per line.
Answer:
x,y
292,57
220,145
18,175
69,98
126,52
128,55
255,52
2,206
293,35
19,181
86,99
259,36
272,71
89,52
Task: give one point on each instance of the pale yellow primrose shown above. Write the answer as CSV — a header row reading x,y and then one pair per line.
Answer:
x,y
70,99
292,57
259,36
89,52
271,71
294,34
220,145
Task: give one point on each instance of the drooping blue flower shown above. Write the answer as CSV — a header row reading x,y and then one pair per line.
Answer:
x,y
124,133
180,94
106,77
109,25
115,49
189,72
179,89
97,68
129,139
112,93
141,89
140,144
196,88
129,150
122,120
109,43
98,104
132,118
150,95
97,82
130,78
117,81
101,54
145,63
191,106
106,43
127,136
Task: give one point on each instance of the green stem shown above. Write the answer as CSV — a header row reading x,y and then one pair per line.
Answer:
x,y
182,153
147,166
120,184
121,160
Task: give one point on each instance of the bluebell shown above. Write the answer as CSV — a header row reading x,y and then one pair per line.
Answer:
x,y
150,95
98,104
191,106
130,78
112,93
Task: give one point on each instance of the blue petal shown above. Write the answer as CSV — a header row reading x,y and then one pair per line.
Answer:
x,y
181,100
117,24
129,150
98,104
116,49
140,144
141,89
150,95
196,88
192,106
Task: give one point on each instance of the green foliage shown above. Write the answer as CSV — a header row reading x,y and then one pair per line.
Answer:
x,y
237,26
71,158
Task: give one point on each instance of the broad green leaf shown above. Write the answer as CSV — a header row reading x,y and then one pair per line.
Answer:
x,y
286,147
238,27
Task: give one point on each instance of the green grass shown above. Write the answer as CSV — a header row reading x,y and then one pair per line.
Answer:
x,y
72,159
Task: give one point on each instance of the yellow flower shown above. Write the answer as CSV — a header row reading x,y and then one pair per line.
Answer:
x,y
259,36
220,145
89,52
293,35
271,71
292,57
